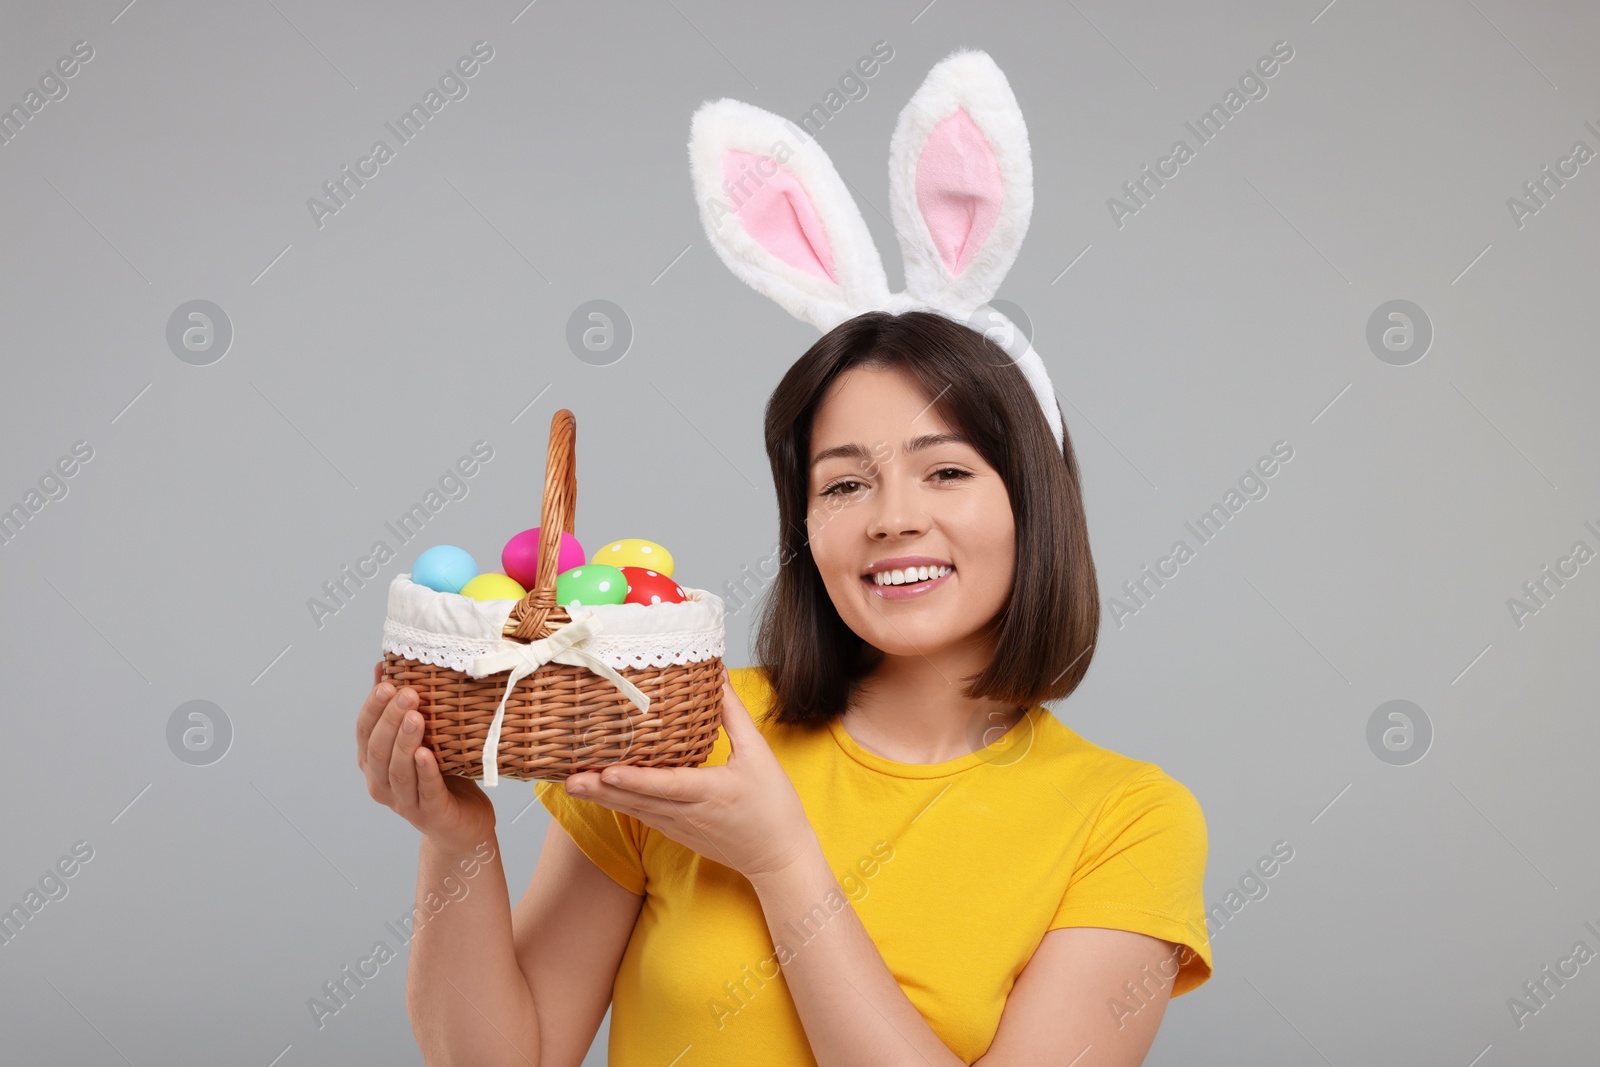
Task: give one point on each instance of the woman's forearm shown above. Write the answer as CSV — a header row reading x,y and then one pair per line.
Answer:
x,y
467,997
853,1010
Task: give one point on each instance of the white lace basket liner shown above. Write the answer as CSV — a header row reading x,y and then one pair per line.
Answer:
x,y
459,633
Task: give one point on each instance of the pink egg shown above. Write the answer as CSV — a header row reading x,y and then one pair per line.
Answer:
x,y
520,557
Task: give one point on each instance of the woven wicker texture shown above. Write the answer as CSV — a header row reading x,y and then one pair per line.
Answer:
x,y
562,718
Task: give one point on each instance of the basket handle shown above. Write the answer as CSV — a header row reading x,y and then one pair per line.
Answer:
x,y
537,614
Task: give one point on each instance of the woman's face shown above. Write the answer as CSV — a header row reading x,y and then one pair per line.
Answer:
x,y
886,485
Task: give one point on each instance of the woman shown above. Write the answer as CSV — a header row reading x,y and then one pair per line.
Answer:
x,y
895,853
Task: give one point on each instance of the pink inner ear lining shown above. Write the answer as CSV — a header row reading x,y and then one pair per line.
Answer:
x,y
959,191
777,211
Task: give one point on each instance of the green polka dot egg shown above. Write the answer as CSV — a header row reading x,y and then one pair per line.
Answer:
x,y
592,583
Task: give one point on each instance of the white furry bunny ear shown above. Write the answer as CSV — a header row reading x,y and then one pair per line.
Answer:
x,y
780,217
960,183
960,188
961,193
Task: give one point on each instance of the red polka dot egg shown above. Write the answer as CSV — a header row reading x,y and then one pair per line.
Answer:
x,y
647,586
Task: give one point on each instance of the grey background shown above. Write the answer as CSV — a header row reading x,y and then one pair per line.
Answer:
x,y
369,354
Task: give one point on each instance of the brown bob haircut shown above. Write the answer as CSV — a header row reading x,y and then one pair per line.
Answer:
x,y
1047,628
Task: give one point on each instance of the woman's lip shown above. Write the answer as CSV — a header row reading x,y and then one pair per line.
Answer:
x,y
907,592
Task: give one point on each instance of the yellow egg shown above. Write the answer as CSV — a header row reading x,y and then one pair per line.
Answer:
x,y
634,552
493,587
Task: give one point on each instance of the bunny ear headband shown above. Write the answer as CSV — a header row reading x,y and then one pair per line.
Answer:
x,y
960,191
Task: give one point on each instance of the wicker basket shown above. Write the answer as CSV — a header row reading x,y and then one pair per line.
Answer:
x,y
634,684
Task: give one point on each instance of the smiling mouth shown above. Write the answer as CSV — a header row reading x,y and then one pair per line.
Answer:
x,y
911,584
907,576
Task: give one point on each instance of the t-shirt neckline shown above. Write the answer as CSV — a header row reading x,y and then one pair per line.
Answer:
x,y
883,765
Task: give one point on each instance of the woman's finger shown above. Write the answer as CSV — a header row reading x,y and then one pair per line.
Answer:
x,y
433,796
682,784
403,764
626,801
377,699
670,812
380,745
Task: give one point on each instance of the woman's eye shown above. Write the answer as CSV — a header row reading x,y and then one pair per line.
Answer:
x,y
848,486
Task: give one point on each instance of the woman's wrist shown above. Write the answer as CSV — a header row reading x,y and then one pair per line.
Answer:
x,y
447,848
805,851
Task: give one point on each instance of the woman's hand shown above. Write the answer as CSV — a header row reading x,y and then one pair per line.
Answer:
x,y
744,814
404,775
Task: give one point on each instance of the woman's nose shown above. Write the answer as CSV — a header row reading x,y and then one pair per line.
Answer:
x,y
897,511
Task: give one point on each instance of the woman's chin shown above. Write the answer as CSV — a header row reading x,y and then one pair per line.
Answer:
x,y
911,637
915,626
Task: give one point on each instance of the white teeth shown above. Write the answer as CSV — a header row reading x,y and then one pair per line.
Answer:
x,y
909,574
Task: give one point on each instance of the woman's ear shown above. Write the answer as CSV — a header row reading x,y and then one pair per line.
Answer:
x,y
960,182
780,217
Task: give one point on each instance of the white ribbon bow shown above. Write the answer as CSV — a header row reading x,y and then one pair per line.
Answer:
x,y
523,659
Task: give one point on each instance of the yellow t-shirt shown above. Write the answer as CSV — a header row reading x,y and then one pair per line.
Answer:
x,y
955,869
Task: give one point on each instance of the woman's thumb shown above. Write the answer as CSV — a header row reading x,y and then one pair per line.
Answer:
x,y
742,731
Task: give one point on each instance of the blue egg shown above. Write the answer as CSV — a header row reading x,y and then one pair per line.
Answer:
x,y
445,568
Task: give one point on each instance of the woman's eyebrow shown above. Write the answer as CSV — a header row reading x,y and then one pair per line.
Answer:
x,y
855,451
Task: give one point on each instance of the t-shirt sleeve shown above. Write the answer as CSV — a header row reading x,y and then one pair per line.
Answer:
x,y
1143,869
614,841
